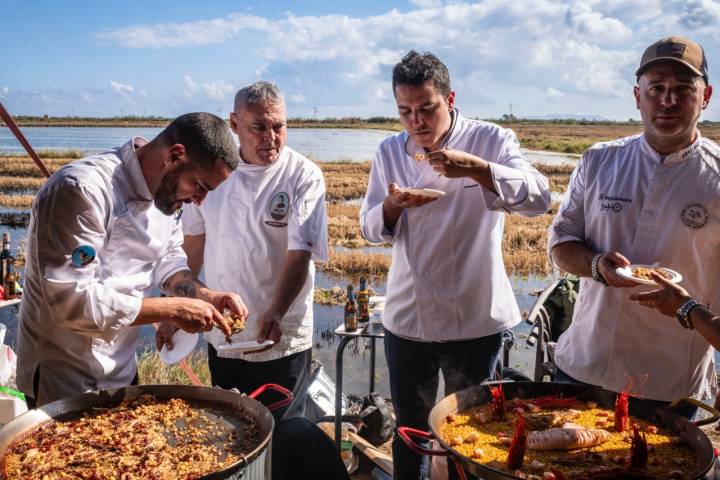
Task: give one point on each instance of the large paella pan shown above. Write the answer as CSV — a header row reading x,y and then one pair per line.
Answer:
x,y
566,431
146,431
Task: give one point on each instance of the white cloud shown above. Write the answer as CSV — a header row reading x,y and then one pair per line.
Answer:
x,y
296,98
703,15
595,26
219,90
427,3
4,91
497,51
199,33
121,87
190,86
553,92
216,90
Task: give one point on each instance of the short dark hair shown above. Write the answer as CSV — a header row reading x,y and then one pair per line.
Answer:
x,y
415,70
206,137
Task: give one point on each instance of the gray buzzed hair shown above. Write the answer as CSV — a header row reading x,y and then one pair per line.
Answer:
x,y
206,138
258,92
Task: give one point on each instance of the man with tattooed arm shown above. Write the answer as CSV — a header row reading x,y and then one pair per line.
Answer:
x,y
104,234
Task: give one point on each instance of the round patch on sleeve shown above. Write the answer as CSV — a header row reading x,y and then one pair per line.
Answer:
x,y
83,255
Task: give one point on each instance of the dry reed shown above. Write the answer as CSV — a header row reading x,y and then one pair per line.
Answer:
x,y
8,183
152,370
355,263
17,201
25,167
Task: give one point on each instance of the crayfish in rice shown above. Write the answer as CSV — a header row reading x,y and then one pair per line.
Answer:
x,y
518,446
621,412
498,406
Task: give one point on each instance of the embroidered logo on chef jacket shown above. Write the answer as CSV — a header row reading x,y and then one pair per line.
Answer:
x,y
612,203
279,208
83,255
694,215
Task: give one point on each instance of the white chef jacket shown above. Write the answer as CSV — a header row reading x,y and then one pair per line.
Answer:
x,y
447,280
625,197
73,322
250,221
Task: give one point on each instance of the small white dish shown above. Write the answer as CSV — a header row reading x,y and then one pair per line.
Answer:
x,y
183,343
626,273
243,346
422,192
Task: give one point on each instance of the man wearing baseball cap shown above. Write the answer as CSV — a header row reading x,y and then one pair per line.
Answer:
x,y
645,199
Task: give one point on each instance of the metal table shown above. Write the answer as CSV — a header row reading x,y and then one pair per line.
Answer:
x,y
373,331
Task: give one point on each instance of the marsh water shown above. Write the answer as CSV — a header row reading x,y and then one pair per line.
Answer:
x,y
321,145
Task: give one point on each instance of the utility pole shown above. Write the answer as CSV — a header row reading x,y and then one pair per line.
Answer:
x,y
315,110
511,116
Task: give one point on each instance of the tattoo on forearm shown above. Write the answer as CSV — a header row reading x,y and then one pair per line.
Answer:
x,y
183,285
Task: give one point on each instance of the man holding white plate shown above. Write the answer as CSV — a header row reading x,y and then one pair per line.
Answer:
x,y
649,199
448,297
259,235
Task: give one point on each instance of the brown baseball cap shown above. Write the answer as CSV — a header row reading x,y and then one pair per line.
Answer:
x,y
676,49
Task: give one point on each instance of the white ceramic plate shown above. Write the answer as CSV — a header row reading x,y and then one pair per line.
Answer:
x,y
243,346
626,273
183,343
422,192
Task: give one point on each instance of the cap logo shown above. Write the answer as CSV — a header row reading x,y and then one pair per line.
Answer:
x,y
671,49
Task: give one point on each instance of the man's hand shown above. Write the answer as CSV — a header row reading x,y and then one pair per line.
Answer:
x,y
269,329
667,299
224,300
398,200
607,265
456,163
164,335
195,315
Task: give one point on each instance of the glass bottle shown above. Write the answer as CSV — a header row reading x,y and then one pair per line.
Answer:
x,y
10,282
363,301
350,311
5,255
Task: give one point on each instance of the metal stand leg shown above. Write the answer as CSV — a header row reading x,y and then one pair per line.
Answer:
x,y
372,364
338,387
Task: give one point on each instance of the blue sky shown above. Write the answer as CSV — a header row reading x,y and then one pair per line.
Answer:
x,y
166,58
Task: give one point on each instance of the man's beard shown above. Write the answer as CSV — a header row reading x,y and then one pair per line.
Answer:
x,y
165,197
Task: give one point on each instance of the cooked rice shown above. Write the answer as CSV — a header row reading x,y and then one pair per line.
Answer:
x,y
667,454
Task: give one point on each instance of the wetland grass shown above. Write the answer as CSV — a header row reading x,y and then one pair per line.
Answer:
x,y
152,370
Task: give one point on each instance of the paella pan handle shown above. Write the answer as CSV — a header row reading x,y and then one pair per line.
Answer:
x,y
714,414
406,433
280,403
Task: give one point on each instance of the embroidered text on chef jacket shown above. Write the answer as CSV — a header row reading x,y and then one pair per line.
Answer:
x,y
625,197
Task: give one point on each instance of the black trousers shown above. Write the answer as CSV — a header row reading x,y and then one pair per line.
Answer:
x,y
414,368
291,372
301,451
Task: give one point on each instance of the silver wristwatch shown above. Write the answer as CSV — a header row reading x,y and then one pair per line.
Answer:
x,y
683,313
594,269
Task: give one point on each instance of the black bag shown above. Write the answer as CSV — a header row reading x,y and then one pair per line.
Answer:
x,y
378,422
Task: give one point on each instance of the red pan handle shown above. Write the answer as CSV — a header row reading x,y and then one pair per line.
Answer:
x,y
280,403
406,433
